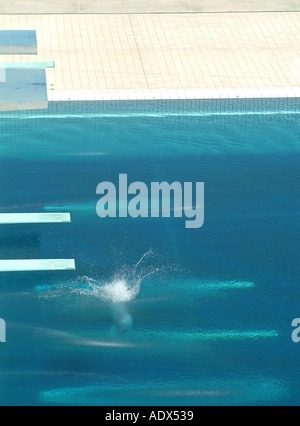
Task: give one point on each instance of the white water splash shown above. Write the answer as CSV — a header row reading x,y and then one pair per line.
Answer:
x,y
123,288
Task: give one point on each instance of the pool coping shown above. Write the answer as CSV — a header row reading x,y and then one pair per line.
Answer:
x,y
165,94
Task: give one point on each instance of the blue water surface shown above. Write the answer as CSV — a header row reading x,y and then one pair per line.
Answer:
x,y
205,317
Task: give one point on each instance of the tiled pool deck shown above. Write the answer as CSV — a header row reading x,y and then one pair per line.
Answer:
x,y
217,53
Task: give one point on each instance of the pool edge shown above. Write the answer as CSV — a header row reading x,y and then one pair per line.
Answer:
x,y
166,94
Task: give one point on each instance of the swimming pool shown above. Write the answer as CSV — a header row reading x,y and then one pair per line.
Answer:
x,y
209,320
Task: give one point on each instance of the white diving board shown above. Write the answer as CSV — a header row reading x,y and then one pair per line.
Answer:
x,y
37,265
27,65
19,218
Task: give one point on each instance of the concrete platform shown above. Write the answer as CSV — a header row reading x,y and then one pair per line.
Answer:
x,y
18,42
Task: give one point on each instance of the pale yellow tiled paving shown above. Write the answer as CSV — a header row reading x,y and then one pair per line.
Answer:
x,y
173,51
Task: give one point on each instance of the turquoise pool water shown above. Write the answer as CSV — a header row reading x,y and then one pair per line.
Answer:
x,y
155,314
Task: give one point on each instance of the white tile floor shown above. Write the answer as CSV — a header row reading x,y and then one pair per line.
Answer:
x,y
185,51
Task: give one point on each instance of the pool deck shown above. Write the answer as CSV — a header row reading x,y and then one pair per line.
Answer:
x,y
148,56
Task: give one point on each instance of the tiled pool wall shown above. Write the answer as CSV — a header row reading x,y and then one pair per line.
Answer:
x,y
268,106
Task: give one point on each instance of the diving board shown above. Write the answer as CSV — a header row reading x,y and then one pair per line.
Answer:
x,y
27,65
37,265
19,218
18,42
